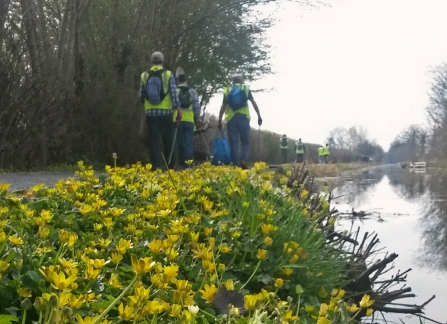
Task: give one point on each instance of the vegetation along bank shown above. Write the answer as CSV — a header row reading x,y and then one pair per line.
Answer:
x,y
208,244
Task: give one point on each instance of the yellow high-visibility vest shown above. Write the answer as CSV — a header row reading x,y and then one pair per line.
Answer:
x,y
229,113
187,113
165,77
299,151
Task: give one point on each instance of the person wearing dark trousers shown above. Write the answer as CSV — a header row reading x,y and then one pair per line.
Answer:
x,y
235,107
189,104
284,145
300,149
158,93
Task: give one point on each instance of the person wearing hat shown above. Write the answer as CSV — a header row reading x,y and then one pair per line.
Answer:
x,y
237,116
284,145
300,148
158,93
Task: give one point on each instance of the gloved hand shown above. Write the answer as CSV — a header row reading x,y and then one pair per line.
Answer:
x,y
219,126
259,121
179,116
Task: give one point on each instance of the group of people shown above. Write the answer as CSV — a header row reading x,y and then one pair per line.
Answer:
x,y
169,102
300,149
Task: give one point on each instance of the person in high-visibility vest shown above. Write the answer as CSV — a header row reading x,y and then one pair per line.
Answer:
x,y
284,145
300,148
320,154
237,115
326,153
158,93
189,104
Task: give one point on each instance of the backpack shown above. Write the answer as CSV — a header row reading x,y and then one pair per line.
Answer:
x,y
284,141
184,96
221,151
154,87
299,147
237,97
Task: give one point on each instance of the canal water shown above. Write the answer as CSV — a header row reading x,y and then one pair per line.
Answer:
x,y
408,211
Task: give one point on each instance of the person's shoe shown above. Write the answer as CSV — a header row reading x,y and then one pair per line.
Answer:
x,y
244,166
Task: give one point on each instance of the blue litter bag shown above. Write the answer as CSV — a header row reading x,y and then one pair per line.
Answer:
x,y
221,150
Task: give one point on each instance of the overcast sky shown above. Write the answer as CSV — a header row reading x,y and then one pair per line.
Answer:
x,y
357,62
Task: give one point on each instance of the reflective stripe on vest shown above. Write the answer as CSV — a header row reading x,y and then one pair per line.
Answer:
x,y
229,113
299,151
165,77
187,113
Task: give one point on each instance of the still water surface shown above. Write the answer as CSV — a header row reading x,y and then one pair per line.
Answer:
x,y
410,218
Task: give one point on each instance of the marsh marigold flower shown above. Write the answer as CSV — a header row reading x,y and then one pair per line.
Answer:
x,y
123,245
16,240
366,302
262,254
279,283
250,301
229,285
208,292
126,313
141,265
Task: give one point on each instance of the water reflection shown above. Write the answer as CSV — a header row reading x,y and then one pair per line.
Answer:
x,y
428,190
414,209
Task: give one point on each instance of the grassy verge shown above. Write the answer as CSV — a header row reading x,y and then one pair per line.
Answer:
x,y
175,247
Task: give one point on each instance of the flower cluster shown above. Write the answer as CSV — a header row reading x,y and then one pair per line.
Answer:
x,y
143,246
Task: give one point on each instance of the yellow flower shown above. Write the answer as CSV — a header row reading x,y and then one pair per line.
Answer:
x,y
115,258
75,302
366,302
114,281
91,272
2,237
221,268
289,317
268,241
369,311
224,249
288,271
194,236
176,310
72,238
262,254
323,309
352,308
294,258
14,239
60,282
208,231
67,263
85,320
141,265
208,292
43,232
126,313
170,272
229,285
24,292
183,285
250,301
267,229
323,320
3,266
98,263
279,283
123,246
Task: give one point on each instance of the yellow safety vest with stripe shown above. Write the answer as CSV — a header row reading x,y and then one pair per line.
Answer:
x,y
187,113
299,150
165,77
284,146
229,113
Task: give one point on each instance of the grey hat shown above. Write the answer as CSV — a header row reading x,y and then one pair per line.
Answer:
x,y
157,56
237,76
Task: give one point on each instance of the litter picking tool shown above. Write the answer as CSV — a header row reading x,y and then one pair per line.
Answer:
x,y
259,138
173,144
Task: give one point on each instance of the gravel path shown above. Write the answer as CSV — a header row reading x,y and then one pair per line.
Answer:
x,y
25,180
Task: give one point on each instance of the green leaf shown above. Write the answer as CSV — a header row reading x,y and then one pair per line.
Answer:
x,y
8,319
35,276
